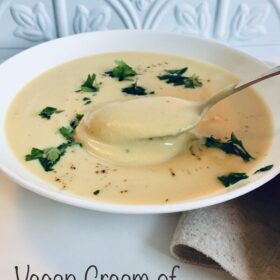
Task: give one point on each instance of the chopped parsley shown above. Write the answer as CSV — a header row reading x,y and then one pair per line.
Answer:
x,y
87,100
232,178
47,112
122,71
233,146
67,132
176,78
75,122
235,177
90,84
263,169
48,157
97,192
134,89
178,72
35,154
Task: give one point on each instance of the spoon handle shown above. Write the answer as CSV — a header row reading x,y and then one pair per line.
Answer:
x,y
227,91
270,73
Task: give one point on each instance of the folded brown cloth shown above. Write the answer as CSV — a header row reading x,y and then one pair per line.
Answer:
x,y
241,236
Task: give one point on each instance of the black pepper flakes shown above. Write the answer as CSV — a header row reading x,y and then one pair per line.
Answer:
x,y
193,153
73,167
172,172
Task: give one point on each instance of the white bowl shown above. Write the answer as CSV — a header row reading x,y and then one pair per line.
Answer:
x,y
20,69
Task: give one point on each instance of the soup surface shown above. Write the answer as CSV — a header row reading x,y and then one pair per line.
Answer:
x,y
51,112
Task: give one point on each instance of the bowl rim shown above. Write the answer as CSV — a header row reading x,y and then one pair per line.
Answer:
x,y
143,208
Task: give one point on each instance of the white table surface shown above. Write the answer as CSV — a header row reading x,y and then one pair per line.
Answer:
x,y
57,239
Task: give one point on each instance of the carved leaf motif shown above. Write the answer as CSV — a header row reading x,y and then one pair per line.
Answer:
x,y
33,24
203,17
85,20
249,23
80,23
142,5
193,20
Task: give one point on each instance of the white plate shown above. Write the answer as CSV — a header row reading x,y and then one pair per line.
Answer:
x,y
17,71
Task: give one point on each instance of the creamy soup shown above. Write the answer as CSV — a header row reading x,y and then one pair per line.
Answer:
x,y
54,129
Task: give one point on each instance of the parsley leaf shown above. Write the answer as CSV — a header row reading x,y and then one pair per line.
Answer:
x,y
233,146
87,100
50,156
176,78
122,71
263,169
67,132
232,178
47,157
193,81
90,85
134,89
35,154
47,112
75,122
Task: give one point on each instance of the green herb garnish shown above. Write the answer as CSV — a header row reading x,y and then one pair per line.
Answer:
x,y
47,112
233,146
90,85
86,100
75,122
67,132
176,78
48,157
134,89
35,154
96,192
263,169
122,71
232,178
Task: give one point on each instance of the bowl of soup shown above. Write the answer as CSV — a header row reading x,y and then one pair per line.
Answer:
x,y
55,142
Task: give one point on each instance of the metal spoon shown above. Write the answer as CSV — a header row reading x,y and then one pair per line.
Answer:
x,y
151,117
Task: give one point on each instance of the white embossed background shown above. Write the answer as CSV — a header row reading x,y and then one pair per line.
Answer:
x,y
252,25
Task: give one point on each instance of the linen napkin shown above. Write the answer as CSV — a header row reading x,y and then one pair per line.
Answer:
x,y
241,236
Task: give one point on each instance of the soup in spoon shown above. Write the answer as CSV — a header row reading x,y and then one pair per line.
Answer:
x,y
146,127
51,130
